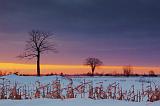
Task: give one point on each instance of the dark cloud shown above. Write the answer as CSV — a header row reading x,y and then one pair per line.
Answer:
x,y
112,24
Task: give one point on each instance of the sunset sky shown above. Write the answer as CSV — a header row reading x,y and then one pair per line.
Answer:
x,y
118,32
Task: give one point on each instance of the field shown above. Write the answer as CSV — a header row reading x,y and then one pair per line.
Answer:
x,y
79,91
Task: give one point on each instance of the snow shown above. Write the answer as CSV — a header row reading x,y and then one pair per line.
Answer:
x,y
125,82
109,79
74,102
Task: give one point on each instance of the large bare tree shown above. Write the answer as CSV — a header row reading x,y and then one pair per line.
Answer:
x,y
39,42
93,63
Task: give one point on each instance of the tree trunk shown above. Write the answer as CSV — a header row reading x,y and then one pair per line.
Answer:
x,y
93,68
38,64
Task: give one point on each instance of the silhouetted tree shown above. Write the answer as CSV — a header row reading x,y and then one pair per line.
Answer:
x,y
16,73
39,42
127,70
1,73
151,73
93,63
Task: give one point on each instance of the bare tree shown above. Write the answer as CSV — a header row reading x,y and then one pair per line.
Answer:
x,y
39,42
1,73
127,70
151,73
93,63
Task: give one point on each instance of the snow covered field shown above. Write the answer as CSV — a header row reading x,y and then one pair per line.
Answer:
x,y
74,102
124,82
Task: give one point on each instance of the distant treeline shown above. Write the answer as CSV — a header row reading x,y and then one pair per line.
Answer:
x,y
86,74
127,71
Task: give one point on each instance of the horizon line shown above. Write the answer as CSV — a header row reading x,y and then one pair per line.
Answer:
x,y
50,64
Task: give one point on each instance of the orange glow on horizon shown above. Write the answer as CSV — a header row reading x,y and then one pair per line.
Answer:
x,y
70,69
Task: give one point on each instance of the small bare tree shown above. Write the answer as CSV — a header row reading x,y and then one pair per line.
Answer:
x,y
127,70
39,42
151,73
93,63
1,73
